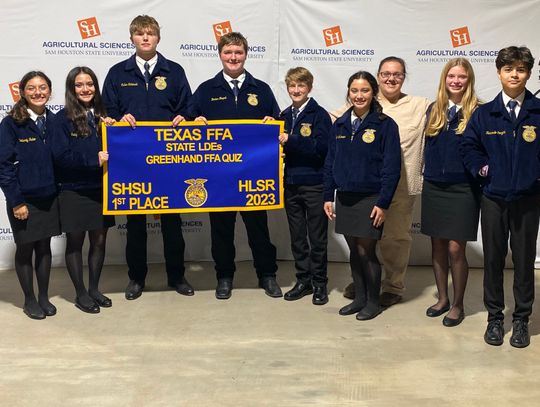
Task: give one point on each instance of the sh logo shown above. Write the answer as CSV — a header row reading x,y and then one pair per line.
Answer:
x,y
220,29
14,89
332,36
88,28
460,36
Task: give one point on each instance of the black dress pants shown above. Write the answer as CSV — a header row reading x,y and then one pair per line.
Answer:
x,y
519,219
173,247
223,251
308,227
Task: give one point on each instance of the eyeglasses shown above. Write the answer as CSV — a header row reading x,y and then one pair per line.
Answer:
x,y
34,89
397,75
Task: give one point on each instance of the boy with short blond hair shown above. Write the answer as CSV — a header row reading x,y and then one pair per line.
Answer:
x,y
305,143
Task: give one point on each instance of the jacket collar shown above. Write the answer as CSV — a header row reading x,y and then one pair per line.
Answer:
x,y
529,103
219,81
310,108
345,119
162,65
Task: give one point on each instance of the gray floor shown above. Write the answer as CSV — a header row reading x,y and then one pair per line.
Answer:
x,y
168,350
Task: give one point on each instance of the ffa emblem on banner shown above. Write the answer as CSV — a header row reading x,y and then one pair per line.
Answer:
x,y
252,99
368,136
529,135
305,130
160,82
196,194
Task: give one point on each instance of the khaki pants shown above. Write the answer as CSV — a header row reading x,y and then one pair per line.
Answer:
x,y
395,245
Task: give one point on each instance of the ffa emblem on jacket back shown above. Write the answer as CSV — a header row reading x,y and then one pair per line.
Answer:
x,y
196,194
529,135
305,130
252,99
161,84
368,136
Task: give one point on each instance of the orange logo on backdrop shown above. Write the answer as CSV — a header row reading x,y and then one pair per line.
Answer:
x,y
14,89
220,29
332,36
88,27
460,36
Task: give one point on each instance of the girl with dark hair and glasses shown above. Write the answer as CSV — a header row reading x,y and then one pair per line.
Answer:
x,y
27,181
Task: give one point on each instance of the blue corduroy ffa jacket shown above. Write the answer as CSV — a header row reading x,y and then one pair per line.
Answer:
x,y
511,150
368,161
76,157
167,96
443,161
214,99
26,163
307,145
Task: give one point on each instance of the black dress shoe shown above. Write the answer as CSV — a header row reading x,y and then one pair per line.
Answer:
x,y
348,292
450,322
433,312
368,312
520,334
33,310
183,287
48,308
101,299
494,333
134,290
320,296
271,287
351,308
224,289
91,308
389,299
298,291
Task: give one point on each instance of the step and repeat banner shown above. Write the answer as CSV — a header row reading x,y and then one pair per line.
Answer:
x,y
332,38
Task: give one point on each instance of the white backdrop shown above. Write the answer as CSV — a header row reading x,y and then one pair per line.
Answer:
x,y
332,38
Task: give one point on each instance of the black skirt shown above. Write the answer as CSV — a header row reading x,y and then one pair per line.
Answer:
x,y
83,210
450,211
42,221
352,215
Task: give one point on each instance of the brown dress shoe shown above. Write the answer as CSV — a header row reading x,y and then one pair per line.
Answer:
x,y
389,299
348,292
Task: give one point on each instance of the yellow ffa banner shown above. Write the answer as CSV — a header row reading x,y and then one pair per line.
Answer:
x,y
223,166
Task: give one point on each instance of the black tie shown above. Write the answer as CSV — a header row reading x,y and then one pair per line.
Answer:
x,y
452,113
235,88
356,124
40,123
91,118
294,114
512,106
147,73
